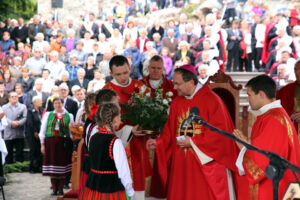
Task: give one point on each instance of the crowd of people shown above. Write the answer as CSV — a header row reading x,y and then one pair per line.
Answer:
x,y
55,73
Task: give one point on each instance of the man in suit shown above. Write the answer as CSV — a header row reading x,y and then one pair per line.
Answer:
x,y
90,26
16,114
37,91
80,81
21,31
35,28
109,25
170,42
69,104
235,36
190,37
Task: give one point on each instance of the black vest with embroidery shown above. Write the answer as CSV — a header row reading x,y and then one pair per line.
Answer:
x,y
103,176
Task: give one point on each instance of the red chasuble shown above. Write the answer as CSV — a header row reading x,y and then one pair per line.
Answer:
x,y
180,168
271,131
166,86
286,96
138,159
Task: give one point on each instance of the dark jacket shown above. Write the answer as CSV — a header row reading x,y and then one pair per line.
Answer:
x,y
84,84
33,122
233,43
33,93
31,31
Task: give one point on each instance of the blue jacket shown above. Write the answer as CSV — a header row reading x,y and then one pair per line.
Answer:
x,y
135,55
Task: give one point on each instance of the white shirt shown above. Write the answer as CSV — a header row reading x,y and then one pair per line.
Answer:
x,y
262,110
55,69
48,84
121,163
260,35
43,130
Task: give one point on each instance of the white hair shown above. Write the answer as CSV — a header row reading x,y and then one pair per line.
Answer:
x,y
36,98
81,70
40,35
39,80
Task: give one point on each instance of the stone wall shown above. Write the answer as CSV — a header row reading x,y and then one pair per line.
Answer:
x,y
73,8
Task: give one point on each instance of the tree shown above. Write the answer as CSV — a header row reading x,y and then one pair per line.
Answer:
x,y
17,8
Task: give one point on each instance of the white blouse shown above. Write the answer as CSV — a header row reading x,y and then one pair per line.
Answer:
x,y
43,130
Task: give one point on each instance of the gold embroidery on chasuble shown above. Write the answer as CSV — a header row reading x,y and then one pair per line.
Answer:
x,y
284,121
255,171
253,192
192,130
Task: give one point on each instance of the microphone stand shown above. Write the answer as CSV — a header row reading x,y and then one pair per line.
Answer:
x,y
277,166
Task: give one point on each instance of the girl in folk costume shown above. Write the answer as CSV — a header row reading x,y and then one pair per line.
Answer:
x,y
109,176
90,127
53,133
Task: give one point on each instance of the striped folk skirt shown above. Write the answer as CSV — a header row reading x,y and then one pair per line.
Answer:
x,y
89,194
57,160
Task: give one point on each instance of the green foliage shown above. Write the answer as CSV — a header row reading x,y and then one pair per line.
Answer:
x,y
149,113
17,8
189,9
16,167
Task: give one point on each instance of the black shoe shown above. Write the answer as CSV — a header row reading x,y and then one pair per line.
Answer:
x,y
54,193
60,193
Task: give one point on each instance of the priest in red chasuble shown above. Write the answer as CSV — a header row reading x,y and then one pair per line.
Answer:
x,y
272,131
156,78
138,160
289,96
193,163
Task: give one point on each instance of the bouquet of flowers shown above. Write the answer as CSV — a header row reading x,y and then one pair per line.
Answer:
x,y
150,113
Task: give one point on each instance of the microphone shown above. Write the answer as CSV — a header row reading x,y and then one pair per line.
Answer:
x,y
193,113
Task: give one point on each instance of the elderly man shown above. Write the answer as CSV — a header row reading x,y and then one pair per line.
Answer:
x,y
16,115
190,37
36,63
37,91
35,28
80,81
55,66
69,104
170,42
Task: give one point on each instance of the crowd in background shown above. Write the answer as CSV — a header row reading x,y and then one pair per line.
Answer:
x,y
51,57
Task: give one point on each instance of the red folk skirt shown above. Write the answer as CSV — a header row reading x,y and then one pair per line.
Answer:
x,y
89,194
57,160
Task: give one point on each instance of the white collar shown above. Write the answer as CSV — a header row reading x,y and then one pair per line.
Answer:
x,y
199,86
265,108
116,83
156,83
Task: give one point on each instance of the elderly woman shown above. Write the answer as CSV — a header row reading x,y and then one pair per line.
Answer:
x,y
15,70
33,124
183,51
53,136
97,83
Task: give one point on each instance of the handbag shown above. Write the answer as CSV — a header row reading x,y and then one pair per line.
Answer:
x,y
77,132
